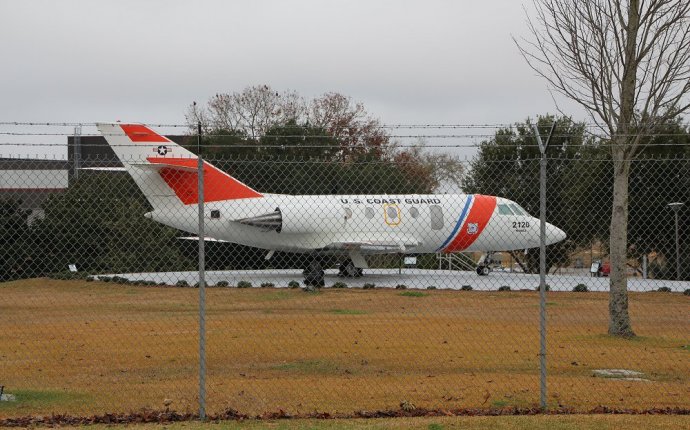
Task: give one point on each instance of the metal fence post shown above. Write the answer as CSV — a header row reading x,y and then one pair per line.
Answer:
x,y
76,153
202,283
542,264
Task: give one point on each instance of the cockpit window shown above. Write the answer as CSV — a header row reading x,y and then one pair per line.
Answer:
x,y
504,210
517,209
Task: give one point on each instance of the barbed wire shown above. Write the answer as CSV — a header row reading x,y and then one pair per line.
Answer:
x,y
337,146
386,126
329,136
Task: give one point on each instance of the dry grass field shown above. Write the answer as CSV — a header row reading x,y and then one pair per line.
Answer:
x,y
91,347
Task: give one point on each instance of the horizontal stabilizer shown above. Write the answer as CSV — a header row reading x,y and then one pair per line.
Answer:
x,y
158,166
105,169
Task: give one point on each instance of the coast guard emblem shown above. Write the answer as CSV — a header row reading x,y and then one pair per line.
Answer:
x,y
472,228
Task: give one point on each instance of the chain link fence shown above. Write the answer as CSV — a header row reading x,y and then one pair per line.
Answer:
x,y
99,304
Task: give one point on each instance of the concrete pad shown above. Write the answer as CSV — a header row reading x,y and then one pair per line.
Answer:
x,y
412,278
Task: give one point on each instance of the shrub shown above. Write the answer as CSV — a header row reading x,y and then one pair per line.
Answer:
x,y
222,284
431,287
310,288
401,287
664,289
244,284
504,288
89,279
339,285
293,284
466,288
547,287
267,285
182,283
580,288
105,278
686,292
162,284
369,286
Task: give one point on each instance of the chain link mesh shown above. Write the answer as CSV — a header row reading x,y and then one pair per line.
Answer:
x,y
121,332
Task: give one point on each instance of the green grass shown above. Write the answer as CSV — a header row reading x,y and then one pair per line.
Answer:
x,y
272,296
413,294
347,312
32,399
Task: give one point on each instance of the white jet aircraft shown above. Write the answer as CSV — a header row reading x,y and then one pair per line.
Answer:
x,y
346,226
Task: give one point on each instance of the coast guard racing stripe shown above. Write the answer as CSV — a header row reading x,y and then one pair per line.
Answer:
x,y
473,225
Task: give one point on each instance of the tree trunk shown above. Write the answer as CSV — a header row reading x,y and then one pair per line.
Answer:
x,y
619,319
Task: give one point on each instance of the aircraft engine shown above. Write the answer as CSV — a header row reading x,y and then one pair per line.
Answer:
x,y
297,219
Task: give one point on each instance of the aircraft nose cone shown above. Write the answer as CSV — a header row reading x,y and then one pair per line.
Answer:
x,y
554,234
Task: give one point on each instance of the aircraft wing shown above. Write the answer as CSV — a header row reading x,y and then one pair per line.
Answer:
x,y
374,246
206,239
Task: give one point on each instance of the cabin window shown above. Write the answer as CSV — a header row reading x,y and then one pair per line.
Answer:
x,y
436,217
348,213
215,214
517,209
392,213
414,212
504,210
369,212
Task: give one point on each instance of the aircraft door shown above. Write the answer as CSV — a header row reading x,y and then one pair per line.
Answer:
x,y
436,217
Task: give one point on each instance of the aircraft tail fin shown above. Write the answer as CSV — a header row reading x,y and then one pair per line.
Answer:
x,y
166,172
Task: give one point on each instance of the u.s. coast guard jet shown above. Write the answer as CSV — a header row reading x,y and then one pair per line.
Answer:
x,y
346,226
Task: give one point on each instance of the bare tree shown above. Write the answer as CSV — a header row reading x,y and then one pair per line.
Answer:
x,y
628,63
251,111
356,130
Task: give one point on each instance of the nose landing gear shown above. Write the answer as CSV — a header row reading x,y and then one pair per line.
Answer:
x,y
484,264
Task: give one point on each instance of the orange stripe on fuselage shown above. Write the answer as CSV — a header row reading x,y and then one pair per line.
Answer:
x,y
479,216
218,185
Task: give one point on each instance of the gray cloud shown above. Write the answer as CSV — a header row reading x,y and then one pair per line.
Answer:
x,y
407,61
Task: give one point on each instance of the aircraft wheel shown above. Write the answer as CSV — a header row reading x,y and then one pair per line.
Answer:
x,y
314,274
348,270
483,270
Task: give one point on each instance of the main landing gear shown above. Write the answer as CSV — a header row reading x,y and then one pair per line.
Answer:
x,y
347,269
314,274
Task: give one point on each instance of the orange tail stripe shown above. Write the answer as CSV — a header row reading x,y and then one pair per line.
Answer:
x,y
479,216
218,185
140,133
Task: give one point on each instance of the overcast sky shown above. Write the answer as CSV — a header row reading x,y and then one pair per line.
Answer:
x,y
429,62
